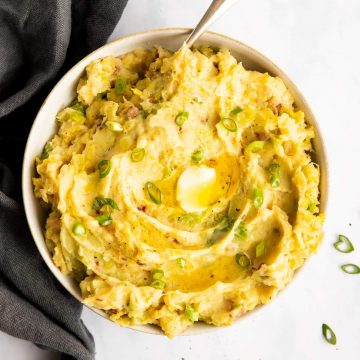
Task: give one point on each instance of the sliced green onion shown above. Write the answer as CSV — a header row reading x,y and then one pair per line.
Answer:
x,y
241,231
191,314
258,198
78,229
218,233
46,150
350,268
312,207
112,203
72,115
99,202
255,146
114,126
215,237
328,334
260,249
181,117
137,154
102,95
154,192
228,223
242,260
104,168
274,180
104,220
235,111
197,156
157,274
120,85
76,105
274,168
229,124
181,262
158,284
343,244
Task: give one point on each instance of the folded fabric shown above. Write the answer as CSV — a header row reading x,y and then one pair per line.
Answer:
x,y
39,41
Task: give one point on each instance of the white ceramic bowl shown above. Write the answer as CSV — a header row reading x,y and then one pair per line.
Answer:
x,y
44,128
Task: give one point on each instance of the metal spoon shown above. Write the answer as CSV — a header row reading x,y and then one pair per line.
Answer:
x,y
215,10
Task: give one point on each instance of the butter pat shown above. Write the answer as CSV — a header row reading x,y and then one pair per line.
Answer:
x,y
195,188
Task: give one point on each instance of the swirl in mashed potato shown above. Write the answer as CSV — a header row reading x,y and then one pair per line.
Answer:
x,y
181,188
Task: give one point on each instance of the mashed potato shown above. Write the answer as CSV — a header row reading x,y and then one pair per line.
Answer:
x,y
181,188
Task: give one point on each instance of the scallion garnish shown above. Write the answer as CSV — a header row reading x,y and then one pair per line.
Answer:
x,y
46,150
218,233
191,314
312,207
229,124
242,260
343,244
99,202
137,154
274,170
181,117
181,262
104,220
157,274
78,229
274,180
114,126
350,269
258,197
241,231
197,156
102,95
158,284
120,85
215,236
328,334
154,192
255,146
260,249
235,111
76,105
104,168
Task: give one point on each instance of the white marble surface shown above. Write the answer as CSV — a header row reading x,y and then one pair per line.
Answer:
x,y
317,44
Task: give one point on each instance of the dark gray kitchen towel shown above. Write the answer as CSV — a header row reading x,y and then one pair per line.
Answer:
x,y
39,41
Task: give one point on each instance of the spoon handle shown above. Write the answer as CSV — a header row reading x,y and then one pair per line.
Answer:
x,y
215,10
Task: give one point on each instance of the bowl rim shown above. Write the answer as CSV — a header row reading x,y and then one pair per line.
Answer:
x,y
150,329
